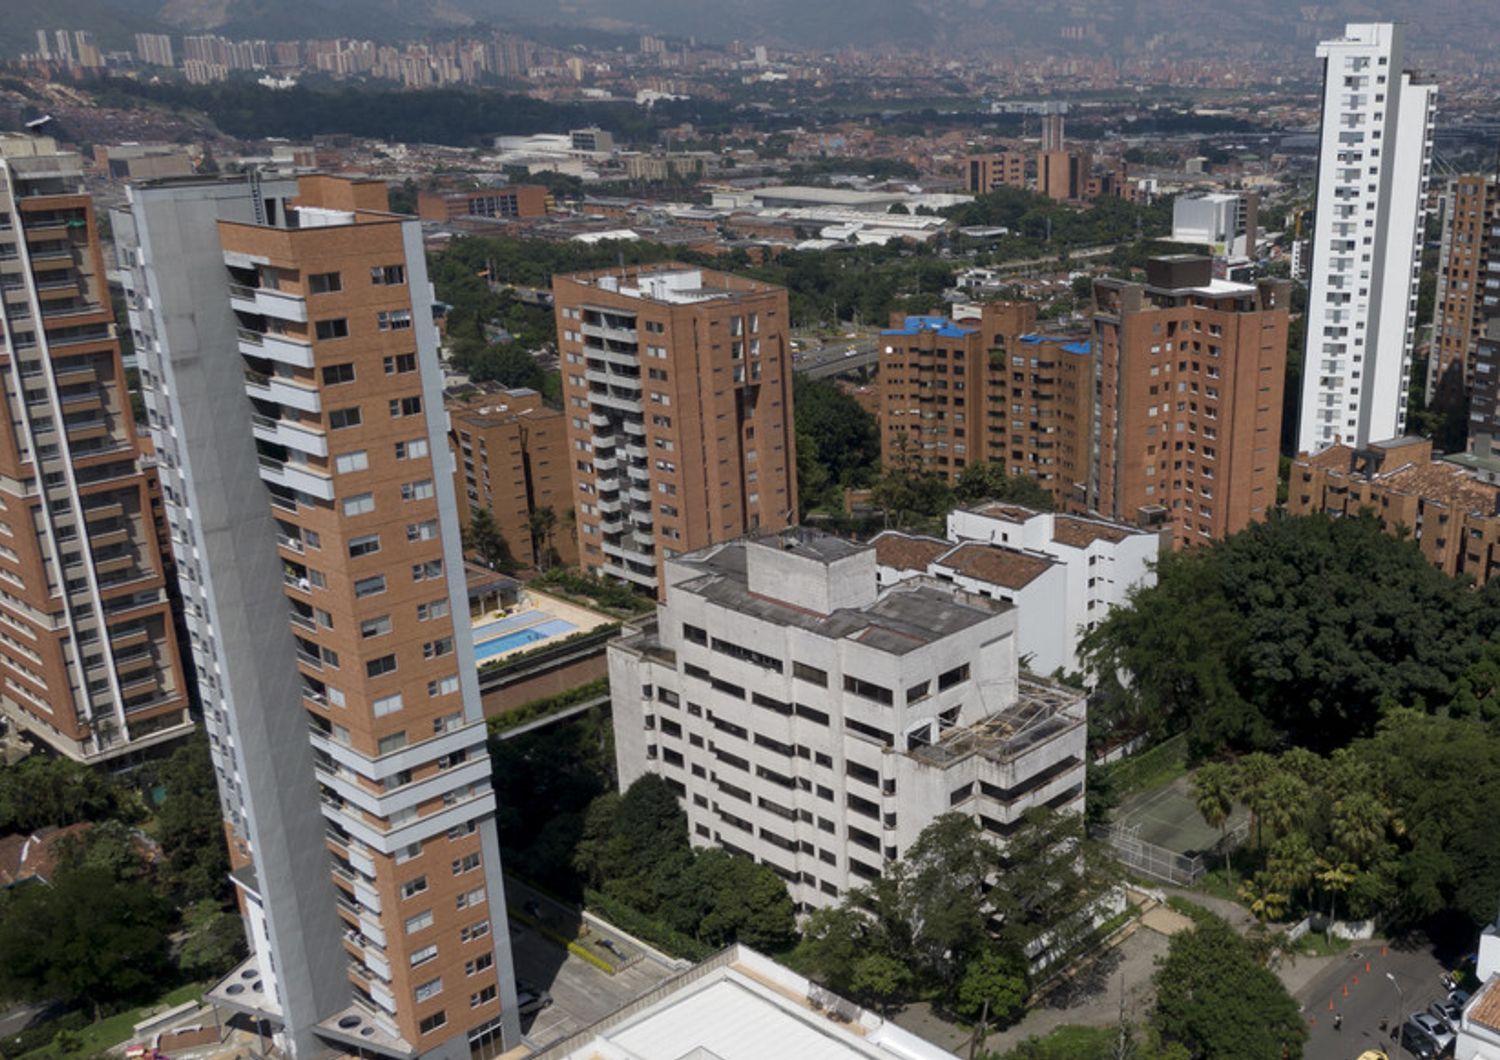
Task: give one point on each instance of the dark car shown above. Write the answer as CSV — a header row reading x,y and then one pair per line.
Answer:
x,y
1415,1041
1448,1012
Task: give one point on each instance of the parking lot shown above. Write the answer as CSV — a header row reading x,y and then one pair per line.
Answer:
x,y
581,993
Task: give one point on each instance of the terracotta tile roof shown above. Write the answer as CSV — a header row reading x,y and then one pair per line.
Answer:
x,y
1080,533
906,551
1335,458
1485,1008
1445,484
33,857
997,565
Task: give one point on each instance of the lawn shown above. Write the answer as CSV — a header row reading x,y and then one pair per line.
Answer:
x,y
109,1032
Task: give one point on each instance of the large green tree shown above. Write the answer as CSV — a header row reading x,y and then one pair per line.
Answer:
x,y
88,938
189,825
45,790
980,482
1296,631
1215,999
837,442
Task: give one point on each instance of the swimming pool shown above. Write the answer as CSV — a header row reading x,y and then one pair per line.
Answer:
x,y
541,631
500,625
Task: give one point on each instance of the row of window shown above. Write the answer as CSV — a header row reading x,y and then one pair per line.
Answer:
x,y
340,419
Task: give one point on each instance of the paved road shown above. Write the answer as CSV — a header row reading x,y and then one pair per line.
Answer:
x,y
1365,997
837,357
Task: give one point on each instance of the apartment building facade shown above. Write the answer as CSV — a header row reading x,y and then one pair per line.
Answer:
x,y
508,203
817,723
89,653
1471,212
984,387
1187,414
677,385
511,459
1374,157
1000,169
1451,512
289,367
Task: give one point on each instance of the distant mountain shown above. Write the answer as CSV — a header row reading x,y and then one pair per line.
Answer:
x,y
1163,28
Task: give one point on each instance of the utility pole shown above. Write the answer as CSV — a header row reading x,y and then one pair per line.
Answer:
x,y
984,1029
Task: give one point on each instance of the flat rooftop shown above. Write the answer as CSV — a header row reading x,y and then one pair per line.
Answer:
x,y
739,1005
1043,712
917,325
668,283
901,619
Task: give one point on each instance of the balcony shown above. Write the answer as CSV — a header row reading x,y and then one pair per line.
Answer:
x,y
283,391
599,331
605,399
295,477
280,348
291,434
262,301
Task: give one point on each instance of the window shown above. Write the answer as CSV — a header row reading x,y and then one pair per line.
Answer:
x,y
811,674
387,705
335,374
428,990
953,677
474,931
424,531
436,609
482,997
868,690
696,634
359,504
412,888
375,627
424,571
417,491
379,667
412,450
407,406
401,364
332,329
338,419
423,955
364,545
370,586
445,686
406,853
324,283
344,463
469,898
436,649
394,742
394,319
467,863
479,964
387,275
432,1022
419,922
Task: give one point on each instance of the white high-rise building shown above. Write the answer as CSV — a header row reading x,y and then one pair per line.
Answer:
x,y
1366,241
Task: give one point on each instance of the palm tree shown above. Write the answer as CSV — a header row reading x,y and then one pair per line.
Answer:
x,y
1291,863
543,523
1265,901
1336,879
484,539
1358,825
1255,772
1214,791
1283,801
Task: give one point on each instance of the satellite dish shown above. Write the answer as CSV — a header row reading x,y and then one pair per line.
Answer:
x,y
37,123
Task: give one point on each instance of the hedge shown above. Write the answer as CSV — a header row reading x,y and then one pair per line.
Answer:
x,y
537,708
633,922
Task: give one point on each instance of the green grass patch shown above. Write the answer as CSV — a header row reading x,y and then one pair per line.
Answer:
x,y
1153,768
111,1031
1198,914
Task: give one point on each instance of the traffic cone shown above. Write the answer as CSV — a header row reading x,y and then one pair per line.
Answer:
x,y
1330,1004
1383,951
1346,989
1356,980
1367,966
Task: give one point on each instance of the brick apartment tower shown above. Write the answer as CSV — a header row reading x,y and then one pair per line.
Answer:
x,y
1188,413
678,391
1004,169
985,388
288,357
89,655
1473,209
511,458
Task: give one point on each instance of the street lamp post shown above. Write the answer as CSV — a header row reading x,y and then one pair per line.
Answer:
x,y
1400,998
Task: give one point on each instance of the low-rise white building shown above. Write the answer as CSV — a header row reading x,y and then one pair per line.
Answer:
x,y
740,1005
1061,572
818,723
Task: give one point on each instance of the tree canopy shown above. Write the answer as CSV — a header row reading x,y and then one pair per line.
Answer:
x,y
48,790
838,444
1214,998
1296,631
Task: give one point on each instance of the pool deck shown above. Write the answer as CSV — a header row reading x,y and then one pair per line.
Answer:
x,y
534,609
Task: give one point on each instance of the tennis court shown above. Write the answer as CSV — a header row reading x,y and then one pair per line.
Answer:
x,y
1168,817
